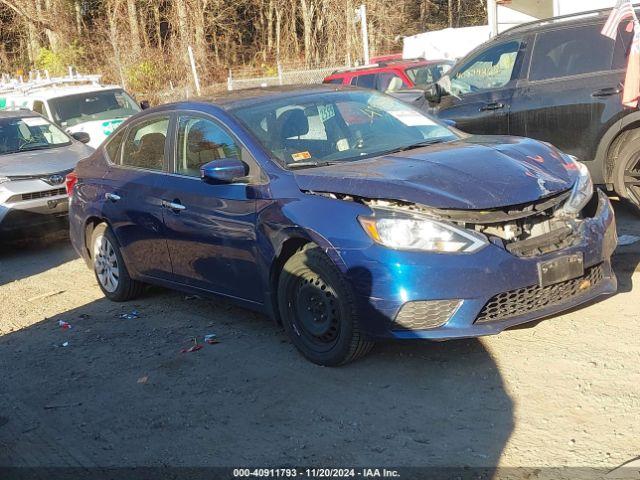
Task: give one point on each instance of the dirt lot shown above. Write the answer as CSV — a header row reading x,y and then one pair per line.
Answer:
x,y
564,393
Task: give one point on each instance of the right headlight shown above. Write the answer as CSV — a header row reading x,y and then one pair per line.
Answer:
x,y
4,179
420,233
581,192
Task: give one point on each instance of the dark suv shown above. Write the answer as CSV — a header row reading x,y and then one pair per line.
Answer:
x,y
557,80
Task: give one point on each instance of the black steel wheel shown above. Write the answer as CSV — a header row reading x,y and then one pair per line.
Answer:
x,y
318,310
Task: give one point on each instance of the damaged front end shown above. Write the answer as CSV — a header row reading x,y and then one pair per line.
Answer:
x,y
525,230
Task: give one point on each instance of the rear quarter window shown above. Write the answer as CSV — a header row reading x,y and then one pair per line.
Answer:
x,y
114,146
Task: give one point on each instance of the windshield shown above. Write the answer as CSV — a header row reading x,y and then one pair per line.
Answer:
x,y
29,133
427,74
85,107
338,126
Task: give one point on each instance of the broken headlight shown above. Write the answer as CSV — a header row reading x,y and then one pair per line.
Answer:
x,y
581,192
421,233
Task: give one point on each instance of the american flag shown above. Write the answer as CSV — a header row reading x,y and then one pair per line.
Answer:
x,y
631,93
620,12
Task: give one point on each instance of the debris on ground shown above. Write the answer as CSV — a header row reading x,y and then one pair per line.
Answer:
x,y
625,240
129,316
65,344
144,379
194,348
64,325
211,338
192,297
84,316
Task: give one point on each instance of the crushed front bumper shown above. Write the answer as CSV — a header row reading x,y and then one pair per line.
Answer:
x,y
442,296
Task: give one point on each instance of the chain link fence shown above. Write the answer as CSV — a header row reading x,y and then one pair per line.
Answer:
x,y
282,75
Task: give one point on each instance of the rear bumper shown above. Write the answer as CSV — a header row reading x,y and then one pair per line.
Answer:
x,y
463,285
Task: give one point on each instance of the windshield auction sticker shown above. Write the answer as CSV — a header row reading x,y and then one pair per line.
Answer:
x,y
34,121
411,118
301,156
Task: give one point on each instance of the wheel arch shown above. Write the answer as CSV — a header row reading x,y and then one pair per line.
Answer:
x,y
607,152
286,247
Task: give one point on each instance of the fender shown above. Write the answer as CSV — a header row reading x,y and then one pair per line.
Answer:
x,y
602,173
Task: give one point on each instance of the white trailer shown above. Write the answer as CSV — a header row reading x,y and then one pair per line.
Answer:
x,y
504,14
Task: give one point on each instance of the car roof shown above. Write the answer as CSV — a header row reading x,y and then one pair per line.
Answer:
x,y
571,20
21,113
404,63
50,92
238,98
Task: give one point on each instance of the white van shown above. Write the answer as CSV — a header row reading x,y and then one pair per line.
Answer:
x,y
77,104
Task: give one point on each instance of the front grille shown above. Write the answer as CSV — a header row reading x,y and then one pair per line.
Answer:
x,y
529,299
424,315
46,193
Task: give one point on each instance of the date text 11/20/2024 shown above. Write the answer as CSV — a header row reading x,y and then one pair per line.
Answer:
x,y
315,473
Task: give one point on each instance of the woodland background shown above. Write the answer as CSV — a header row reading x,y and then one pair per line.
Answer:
x,y
142,44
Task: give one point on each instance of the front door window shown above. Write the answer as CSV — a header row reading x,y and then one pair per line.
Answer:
x,y
491,69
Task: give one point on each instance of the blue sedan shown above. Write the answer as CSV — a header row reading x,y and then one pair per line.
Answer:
x,y
345,215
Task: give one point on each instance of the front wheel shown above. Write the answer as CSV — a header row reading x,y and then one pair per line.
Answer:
x,y
318,309
110,270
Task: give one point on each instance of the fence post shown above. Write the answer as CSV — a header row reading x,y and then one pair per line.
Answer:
x,y
196,80
230,81
279,74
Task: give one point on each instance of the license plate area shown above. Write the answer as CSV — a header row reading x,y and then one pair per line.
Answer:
x,y
560,269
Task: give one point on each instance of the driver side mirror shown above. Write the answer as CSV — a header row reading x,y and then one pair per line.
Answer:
x,y
144,104
433,93
81,137
224,170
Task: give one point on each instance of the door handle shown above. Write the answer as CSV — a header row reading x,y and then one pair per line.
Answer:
x,y
492,106
174,206
607,92
112,196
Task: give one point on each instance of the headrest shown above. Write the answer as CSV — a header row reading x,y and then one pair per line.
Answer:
x,y
293,123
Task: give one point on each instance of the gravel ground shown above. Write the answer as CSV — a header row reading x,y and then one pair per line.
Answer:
x,y
563,393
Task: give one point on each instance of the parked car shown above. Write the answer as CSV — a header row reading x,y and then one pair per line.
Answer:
x,y
557,80
391,76
343,213
35,157
76,104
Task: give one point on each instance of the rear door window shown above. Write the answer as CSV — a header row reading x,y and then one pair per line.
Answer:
x,y
623,46
570,51
145,144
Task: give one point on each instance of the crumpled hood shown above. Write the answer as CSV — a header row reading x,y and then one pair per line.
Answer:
x,y
477,172
41,162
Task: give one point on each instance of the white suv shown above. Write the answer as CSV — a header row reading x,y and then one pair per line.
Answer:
x,y
77,104
35,157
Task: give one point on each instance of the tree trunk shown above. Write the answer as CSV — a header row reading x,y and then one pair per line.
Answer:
x,y
450,13
134,30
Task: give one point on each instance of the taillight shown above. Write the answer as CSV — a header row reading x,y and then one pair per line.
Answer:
x,y
70,181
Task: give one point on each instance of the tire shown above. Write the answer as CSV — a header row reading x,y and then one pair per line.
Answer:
x,y
109,267
627,169
318,309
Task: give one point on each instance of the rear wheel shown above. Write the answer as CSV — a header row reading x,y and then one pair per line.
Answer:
x,y
626,173
110,270
318,309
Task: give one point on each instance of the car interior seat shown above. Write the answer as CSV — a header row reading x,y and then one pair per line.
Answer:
x,y
150,153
